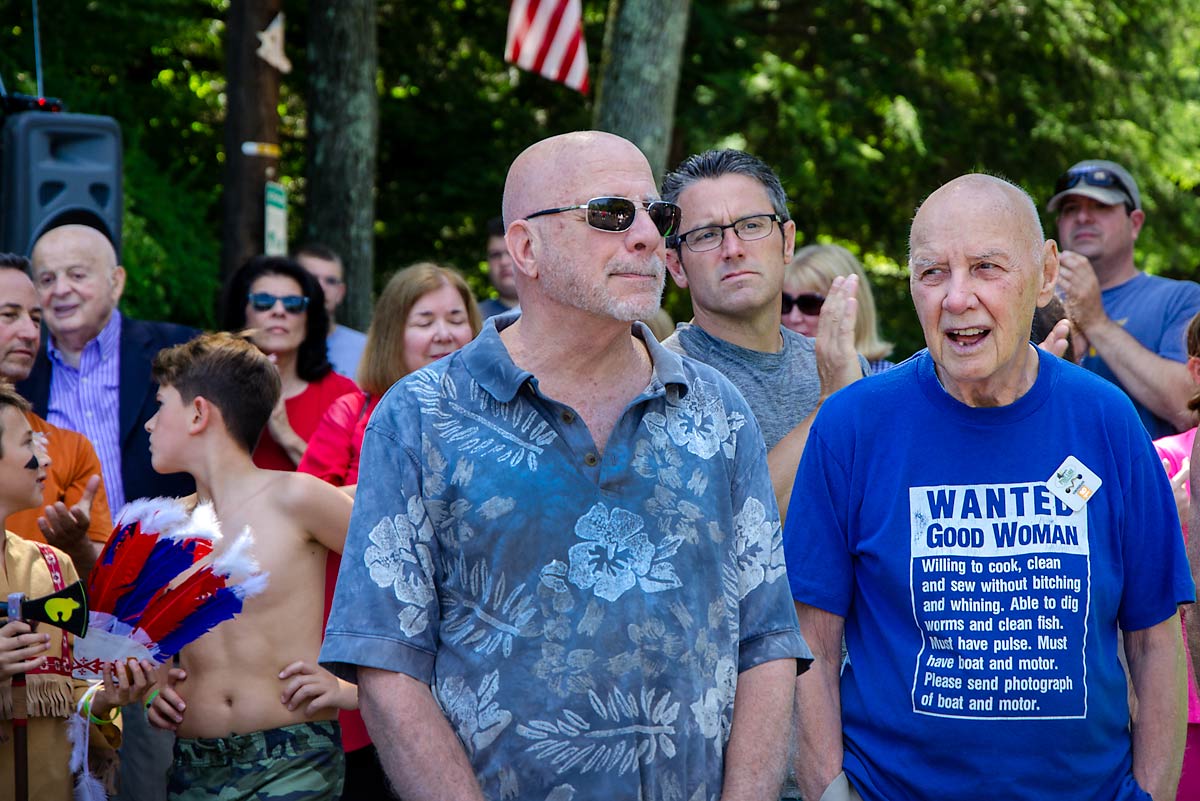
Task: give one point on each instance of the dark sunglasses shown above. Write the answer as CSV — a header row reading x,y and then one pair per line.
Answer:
x,y
265,301
1093,176
807,302
615,214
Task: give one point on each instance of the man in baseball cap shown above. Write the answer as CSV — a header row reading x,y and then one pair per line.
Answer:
x,y
1133,323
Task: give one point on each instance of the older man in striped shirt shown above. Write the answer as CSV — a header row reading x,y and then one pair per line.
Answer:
x,y
92,374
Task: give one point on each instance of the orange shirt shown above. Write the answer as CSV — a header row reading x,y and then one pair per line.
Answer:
x,y
73,461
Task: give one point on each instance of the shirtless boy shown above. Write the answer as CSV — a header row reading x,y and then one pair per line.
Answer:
x,y
251,709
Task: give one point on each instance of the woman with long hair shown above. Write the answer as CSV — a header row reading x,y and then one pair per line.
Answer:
x,y
425,312
806,282
284,309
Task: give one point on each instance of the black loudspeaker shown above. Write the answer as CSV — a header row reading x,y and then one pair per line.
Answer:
x,y
66,609
57,169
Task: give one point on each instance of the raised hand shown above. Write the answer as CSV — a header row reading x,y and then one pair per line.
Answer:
x,y
1179,486
1058,340
1080,289
837,360
65,528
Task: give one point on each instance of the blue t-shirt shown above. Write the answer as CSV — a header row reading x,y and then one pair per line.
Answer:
x,y
581,617
981,610
1156,312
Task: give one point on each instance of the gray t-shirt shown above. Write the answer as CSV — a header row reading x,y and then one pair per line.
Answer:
x,y
782,388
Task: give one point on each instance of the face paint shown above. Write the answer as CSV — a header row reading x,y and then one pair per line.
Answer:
x,y
32,464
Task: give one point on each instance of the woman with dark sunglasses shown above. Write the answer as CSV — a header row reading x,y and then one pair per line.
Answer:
x,y
284,308
805,283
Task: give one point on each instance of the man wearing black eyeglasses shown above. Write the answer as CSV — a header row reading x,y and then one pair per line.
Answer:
x,y
735,240
566,533
1134,323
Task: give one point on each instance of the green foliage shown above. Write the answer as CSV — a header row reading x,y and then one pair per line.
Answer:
x,y
153,65
453,116
862,106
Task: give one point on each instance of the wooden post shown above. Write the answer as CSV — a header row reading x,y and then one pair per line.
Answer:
x,y
252,96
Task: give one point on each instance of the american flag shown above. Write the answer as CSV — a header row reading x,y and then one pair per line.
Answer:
x,y
546,37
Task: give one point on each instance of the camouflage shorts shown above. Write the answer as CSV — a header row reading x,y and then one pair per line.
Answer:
x,y
303,762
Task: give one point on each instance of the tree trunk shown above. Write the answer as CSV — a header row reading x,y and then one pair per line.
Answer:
x,y
252,96
639,74
343,134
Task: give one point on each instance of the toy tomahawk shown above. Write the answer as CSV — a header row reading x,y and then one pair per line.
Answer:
x,y
66,609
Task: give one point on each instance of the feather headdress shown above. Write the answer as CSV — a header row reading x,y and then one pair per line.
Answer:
x,y
158,585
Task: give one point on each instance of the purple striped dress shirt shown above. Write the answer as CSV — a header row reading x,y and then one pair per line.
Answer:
x,y
88,400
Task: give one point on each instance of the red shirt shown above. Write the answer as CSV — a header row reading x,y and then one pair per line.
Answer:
x,y
332,456
334,448
304,411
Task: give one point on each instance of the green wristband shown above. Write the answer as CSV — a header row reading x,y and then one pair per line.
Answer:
x,y
98,721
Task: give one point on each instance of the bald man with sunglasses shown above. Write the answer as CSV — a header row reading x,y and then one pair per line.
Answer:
x,y
1134,324
564,574
736,239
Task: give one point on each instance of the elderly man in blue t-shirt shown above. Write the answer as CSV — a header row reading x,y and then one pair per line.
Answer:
x,y
982,546
564,575
1134,323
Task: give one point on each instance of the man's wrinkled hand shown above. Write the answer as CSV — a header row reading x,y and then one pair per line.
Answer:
x,y
837,360
1080,290
66,528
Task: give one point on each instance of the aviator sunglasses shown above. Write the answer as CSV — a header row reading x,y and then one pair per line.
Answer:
x,y
807,302
1092,176
265,301
615,214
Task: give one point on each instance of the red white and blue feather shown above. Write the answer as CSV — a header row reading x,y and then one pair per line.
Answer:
x,y
164,579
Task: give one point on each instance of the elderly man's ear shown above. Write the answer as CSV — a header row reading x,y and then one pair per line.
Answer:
x,y
118,284
1049,272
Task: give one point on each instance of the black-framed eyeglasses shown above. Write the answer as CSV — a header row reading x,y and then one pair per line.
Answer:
x,y
615,214
1093,176
709,237
265,301
809,303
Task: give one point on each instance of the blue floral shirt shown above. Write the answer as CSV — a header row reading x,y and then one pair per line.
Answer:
x,y
581,617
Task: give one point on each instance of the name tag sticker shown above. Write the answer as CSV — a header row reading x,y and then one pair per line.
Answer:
x,y
1073,483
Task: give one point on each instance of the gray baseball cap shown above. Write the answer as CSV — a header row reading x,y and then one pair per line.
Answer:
x,y
1103,181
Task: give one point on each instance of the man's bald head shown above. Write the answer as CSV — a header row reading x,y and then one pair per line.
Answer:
x,y
82,238
79,283
547,173
562,264
980,195
979,268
